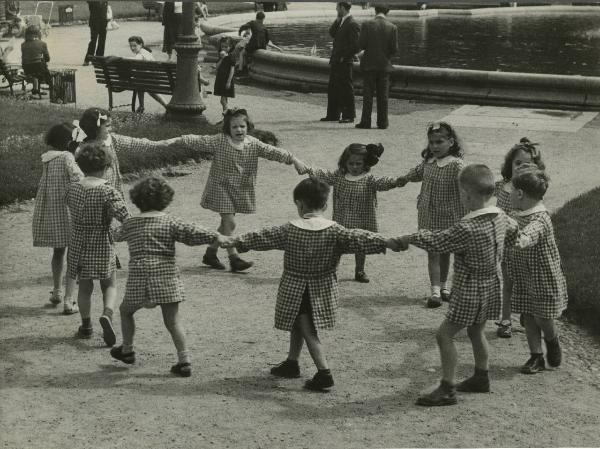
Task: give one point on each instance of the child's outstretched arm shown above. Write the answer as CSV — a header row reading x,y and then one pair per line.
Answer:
x,y
387,183
263,240
351,241
116,207
414,175
273,153
300,166
191,234
200,144
327,176
452,240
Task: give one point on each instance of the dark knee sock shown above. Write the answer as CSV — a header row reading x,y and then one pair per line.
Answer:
x,y
481,372
86,322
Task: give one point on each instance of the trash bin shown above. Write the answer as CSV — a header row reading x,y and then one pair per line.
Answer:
x,y
65,14
62,90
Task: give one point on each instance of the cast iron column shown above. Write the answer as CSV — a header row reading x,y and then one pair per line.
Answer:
x,y
186,102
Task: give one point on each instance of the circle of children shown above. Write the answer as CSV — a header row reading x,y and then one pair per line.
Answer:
x,y
81,193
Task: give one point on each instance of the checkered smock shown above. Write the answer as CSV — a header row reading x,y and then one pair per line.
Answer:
x,y
153,275
539,284
91,254
51,220
310,261
354,201
503,197
477,244
232,177
438,204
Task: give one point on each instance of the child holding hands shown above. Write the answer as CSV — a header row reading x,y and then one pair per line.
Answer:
x,y
438,205
51,219
93,204
307,299
539,290
230,185
355,191
153,275
478,242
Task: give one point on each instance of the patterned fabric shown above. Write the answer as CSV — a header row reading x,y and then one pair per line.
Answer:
x,y
503,197
232,177
354,201
91,254
539,284
438,204
310,260
153,275
51,219
477,244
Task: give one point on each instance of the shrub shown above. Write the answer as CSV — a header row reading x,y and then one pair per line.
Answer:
x,y
22,143
578,237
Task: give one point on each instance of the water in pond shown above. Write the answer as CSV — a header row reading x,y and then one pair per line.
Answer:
x,y
553,43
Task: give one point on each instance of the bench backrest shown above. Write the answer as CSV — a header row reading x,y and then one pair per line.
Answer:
x,y
133,74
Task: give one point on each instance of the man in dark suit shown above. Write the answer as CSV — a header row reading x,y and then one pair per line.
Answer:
x,y
98,22
340,91
379,40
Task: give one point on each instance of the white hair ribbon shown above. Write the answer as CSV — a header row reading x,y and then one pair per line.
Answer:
x,y
78,135
101,117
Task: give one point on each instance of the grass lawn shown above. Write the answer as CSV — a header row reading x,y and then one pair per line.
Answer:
x,y
21,142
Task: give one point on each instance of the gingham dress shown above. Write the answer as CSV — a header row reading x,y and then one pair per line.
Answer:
x,y
91,254
477,241
539,284
232,177
153,275
354,199
503,197
51,220
310,261
438,204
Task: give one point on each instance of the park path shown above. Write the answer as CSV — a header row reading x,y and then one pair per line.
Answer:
x,y
60,392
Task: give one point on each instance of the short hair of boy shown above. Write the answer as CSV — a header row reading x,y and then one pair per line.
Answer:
x,y
533,183
345,5
93,157
151,193
382,9
477,179
313,193
260,15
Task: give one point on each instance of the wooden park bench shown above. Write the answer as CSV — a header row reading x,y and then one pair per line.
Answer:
x,y
11,75
120,74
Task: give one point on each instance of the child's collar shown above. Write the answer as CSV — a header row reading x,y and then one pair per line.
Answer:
x,y
312,221
350,177
92,181
442,162
482,211
108,141
532,210
151,213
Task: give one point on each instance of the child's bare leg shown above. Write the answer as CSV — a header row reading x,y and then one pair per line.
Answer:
x,y
69,287
506,294
84,300
127,328
533,333
58,266
548,327
170,314
312,341
226,227
445,340
444,268
433,265
109,294
480,345
296,341
224,103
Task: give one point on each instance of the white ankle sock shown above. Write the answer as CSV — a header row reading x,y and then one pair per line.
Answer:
x,y
435,290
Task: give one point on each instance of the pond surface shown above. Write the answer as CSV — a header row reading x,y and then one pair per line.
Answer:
x,y
553,43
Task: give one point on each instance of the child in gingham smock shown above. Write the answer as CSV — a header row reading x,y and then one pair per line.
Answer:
x,y
307,298
521,156
355,191
539,285
438,204
232,177
51,220
478,242
153,275
93,204
97,125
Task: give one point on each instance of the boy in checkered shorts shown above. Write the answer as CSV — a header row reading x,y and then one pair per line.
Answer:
x,y
153,275
539,286
93,204
477,242
307,299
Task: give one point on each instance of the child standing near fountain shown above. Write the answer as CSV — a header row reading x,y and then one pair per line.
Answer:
x,y
355,191
224,81
539,287
438,205
522,156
